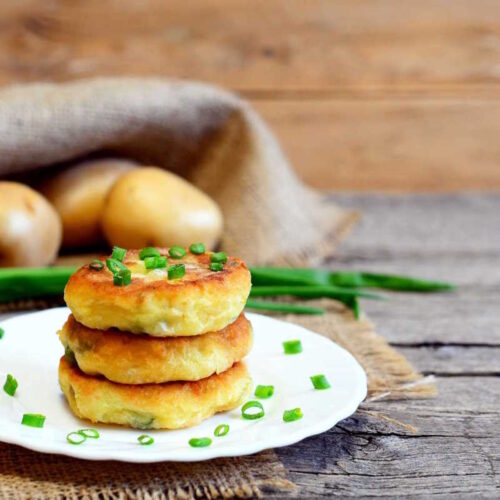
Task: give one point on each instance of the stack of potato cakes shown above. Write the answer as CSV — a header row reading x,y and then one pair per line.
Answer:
x,y
156,337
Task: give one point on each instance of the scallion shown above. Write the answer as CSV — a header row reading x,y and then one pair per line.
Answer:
x,y
282,307
115,265
292,415
176,271
2,331
177,252
216,266
145,440
252,415
320,382
264,391
89,433
122,277
220,257
200,442
221,430
33,419
155,262
118,253
10,385
149,252
292,346
75,438
96,265
197,248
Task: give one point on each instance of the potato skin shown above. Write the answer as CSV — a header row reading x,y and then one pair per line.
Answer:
x,y
126,358
154,207
78,195
30,228
202,301
173,405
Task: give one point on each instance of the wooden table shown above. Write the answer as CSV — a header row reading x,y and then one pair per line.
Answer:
x,y
455,337
364,95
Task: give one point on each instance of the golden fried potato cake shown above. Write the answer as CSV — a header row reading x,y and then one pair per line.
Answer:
x,y
127,358
172,405
201,301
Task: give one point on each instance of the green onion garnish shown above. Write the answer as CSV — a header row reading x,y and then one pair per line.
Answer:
x,y
176,271
155,262
252,415
320,382
177,252
118,253
197,248
115,265
96,265
216,266
33,419
292,346
89,433
145,440
75,438
200,442
149,252
264,391
122,277
10,385
292,415
2,331
218,257
221,430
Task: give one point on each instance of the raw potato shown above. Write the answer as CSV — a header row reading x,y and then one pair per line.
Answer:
x,y
153,207
30,228
78,195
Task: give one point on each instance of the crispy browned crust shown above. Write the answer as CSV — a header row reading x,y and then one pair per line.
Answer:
x,y
201,302
141,359
173,405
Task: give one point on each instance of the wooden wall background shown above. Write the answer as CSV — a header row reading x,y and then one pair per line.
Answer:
x,y
397,95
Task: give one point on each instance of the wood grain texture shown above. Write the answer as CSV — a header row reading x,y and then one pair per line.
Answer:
x,y
391,95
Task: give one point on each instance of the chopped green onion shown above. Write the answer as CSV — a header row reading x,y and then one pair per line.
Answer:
x,y
115,265
216,266
292,415
96,265
221,430
122,277
69,355
118,253
177,252
89,433
282,307
155,262
75,438
145,440
176,271
149,252
220,257
320,382
33,419
200,442
264,391
10,385
292,346
2,331
252,415
197,248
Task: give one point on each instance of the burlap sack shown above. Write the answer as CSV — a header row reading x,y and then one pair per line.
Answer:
x,y
208,136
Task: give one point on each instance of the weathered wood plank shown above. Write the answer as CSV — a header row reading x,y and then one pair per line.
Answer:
x,y
454,360
283,44
390,144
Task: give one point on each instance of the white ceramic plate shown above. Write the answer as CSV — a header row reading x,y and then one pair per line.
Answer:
x,y
30,351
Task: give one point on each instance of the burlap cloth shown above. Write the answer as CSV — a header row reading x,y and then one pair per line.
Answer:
x,y
204,134
26,474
